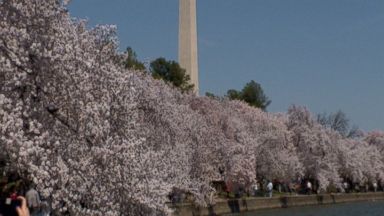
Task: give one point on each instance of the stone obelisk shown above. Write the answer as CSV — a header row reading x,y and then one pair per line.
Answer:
x,y
188,40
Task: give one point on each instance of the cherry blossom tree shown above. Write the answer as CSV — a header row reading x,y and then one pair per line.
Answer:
x,y
71,116
316,150
168,122
376,138
359,161
232,157
252,143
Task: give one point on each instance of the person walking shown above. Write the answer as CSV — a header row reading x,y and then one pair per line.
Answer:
x,y
255,188
309,187
269,189
374,186
33,201
346,187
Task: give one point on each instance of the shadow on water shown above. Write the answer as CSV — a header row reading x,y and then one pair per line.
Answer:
x,y
211,211
284,202
333,198
234,205
320,199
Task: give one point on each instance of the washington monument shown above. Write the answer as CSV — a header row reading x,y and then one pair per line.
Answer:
x,y
188,41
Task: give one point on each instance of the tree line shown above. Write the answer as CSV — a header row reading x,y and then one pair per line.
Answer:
x,y
172,73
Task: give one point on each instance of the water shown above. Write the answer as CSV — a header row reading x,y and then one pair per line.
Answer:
x,y
375,208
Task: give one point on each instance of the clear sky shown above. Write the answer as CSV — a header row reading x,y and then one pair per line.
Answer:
x,y
325,54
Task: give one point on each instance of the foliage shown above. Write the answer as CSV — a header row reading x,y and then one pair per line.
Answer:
x,y
212,96
234,94
131,62
252,93
171,72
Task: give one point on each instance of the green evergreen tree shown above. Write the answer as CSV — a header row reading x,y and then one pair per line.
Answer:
x,y
171,72
131,61
252,93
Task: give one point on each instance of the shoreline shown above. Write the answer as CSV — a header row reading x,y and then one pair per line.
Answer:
x,y
250,204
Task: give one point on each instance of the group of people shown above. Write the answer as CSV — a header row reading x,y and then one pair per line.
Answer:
x,y
307,186
19,199
298,187
361,187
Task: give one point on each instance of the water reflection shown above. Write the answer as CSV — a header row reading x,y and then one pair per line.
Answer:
x,y
347,209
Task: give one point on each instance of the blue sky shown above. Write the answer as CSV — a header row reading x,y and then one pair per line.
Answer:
x,y
325,54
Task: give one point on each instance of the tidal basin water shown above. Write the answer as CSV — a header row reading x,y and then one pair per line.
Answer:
x,y
374,208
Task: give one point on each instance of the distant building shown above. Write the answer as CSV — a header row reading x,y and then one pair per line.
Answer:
x,y
188,40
